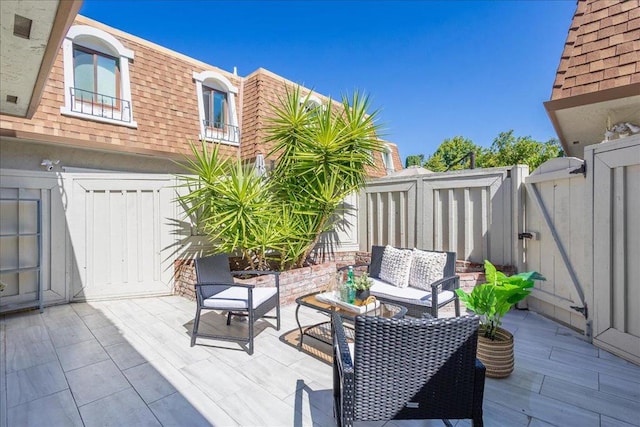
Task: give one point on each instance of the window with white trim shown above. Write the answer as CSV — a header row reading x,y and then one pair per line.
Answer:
x,y
311,103
216,105
387,159
96,77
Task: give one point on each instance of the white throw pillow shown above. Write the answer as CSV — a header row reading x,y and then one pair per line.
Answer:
x,y
426,268
395,266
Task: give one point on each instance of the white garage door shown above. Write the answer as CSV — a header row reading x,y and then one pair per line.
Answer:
x,y
122,234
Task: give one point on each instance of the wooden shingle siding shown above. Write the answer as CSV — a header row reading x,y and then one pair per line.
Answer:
x,y
165,107
262,90
602,50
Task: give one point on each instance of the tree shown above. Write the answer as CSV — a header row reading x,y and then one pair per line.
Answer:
x,y
323,156
449,152
414,160
506,150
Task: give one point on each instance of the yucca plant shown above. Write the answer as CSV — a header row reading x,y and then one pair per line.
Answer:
x,y
323,155
231,204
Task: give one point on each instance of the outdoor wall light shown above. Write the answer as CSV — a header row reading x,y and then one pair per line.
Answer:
x,y
49,164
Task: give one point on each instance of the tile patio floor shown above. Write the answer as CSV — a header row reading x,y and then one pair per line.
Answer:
x,y
129,363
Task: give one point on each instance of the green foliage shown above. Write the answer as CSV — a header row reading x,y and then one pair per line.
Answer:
x,y
231,204
492,300
414,160
362,282
506,150
322,158
450,151
323,154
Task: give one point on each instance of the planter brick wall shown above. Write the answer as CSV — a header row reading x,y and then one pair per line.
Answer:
x,y
293,283
301,281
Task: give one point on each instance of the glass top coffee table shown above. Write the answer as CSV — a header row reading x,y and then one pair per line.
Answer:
x,y
322,331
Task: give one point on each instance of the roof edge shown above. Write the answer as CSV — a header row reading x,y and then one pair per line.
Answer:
x,y
611,94
66,13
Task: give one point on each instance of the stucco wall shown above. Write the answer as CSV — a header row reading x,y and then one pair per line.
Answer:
x,y
24,155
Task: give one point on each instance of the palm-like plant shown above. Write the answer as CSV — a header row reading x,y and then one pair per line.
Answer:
x,y
231,204
323,155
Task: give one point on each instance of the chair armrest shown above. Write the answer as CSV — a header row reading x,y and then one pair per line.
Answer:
x,y
343,375
450,283
342,348
259,273
241,285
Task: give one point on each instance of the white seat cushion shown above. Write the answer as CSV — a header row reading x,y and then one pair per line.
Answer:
x,y
395,266
409,294
237,298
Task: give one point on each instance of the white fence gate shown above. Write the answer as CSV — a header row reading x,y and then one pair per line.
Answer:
x,y
613,194
98,235
587,225
556,218
122,236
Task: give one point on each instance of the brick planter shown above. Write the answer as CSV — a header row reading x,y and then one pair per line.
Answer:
x,y
293,283
301,281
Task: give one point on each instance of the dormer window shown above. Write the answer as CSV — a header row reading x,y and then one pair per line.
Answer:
x,y
96,77
387,159
311,103
216,105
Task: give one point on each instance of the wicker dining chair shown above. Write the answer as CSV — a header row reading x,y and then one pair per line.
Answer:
x,y
216,290
407,369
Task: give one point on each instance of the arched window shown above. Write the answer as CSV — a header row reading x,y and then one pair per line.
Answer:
x,y
96,77
311,103
387,159
216,105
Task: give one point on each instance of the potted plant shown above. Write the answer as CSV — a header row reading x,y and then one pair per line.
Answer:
x,y
491,301
361,285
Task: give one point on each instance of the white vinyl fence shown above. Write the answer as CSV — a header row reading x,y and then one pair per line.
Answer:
x,y
585,218
475,213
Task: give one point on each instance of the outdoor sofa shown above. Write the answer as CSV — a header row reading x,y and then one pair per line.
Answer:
x,y
422,281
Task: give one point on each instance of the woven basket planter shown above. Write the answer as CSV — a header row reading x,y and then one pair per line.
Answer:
x,y
497,355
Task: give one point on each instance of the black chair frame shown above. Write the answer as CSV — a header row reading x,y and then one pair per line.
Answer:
x,y
253,314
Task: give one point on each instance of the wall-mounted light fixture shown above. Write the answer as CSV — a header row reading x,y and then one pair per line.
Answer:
x,y
49,164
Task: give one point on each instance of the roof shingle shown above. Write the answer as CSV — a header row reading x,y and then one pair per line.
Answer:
x,y
602,49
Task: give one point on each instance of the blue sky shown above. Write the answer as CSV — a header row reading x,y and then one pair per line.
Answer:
x,y
434,69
